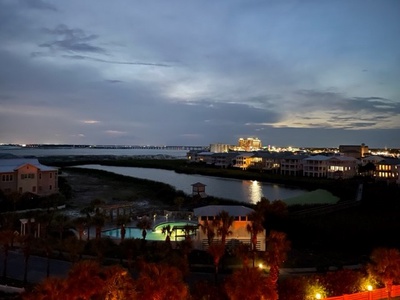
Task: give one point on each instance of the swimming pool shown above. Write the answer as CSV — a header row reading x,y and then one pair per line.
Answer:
x,y
152,235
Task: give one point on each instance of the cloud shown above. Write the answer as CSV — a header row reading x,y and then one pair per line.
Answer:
x,y
81,57
71,40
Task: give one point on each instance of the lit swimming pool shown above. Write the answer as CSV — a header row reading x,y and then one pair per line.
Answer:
x,y
152,235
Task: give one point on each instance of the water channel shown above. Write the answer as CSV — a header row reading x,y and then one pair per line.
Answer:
x,y
228,188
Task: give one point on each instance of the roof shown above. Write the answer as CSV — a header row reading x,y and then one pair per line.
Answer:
x,y
389,161
197,184
213,210
318,157
10,165
297,156
343,158
373,158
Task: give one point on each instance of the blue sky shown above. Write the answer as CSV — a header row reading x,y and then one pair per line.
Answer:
x,y
316,73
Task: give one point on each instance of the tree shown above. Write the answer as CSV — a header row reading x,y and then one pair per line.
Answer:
x,y
61,223
98,220
254,228
80,225
167,231
216,250
51,288
275,254
161,281
250,284
144,223
385,265
208,229
122,220
222,223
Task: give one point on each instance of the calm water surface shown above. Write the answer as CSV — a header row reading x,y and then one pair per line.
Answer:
x,y
234,189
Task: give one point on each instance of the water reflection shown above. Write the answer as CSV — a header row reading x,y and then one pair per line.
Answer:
x,y
228,188
255,191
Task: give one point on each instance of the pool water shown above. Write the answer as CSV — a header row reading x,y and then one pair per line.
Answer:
x,y
152,235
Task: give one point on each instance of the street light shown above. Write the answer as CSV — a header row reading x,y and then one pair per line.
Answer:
x,y
318,296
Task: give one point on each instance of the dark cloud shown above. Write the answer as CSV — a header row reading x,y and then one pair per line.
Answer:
x,y
71,39
81,57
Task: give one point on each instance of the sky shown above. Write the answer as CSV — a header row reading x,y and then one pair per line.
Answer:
x,y
306,73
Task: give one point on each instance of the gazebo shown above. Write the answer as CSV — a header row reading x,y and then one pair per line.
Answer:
x,y
199,189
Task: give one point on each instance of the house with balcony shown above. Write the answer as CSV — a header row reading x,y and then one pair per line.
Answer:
x,y
243,160
341,167
268,161
224,160
315,166
24,175
292,165
239,231
387,169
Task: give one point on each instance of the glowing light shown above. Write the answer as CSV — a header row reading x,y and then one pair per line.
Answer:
x,y
369,287
318,296
260,265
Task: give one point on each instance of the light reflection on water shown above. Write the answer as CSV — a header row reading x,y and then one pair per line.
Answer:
x,y
228,188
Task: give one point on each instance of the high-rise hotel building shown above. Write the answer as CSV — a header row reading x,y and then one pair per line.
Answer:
x,y
249,144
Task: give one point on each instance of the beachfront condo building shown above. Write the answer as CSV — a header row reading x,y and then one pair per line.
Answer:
x,y
23,175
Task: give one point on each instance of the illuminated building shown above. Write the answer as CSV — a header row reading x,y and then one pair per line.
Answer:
x,y
249,144
27,175
356,151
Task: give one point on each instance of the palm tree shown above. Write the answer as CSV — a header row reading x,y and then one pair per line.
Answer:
x,y
250,284
61,223
275,254
216,250
144,223
98,220
80,224
222,223
385,265
167,231
6,241
122,220
161,281
254,228
208,229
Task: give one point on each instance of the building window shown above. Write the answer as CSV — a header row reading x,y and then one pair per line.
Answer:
x,y
50,187
40,188
51,175
20,190
40,175
7,177
34,189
